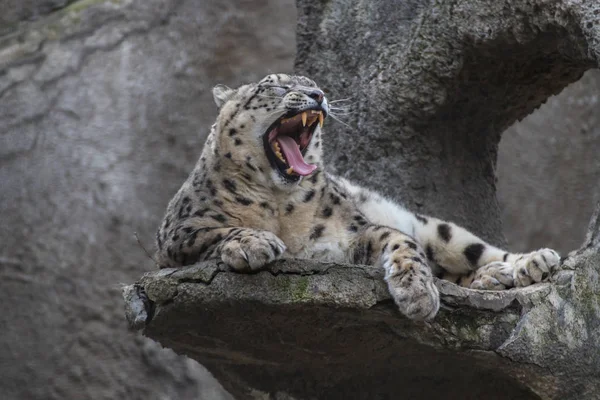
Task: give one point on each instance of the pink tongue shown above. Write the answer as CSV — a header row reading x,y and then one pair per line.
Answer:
x,y
294,157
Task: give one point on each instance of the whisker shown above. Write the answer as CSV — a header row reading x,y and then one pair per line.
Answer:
x,y
339,111
340,121
339,100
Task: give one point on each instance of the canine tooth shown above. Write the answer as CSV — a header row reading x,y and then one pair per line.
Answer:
x,y
304,116
321,118
289,170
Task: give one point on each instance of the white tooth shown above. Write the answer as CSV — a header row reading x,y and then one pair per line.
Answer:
x,y
289,170
304,116
321,118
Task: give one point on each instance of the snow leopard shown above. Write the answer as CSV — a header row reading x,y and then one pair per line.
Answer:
x,y
259,192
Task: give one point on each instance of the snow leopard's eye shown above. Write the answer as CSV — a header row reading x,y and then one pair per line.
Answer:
x,y
279,91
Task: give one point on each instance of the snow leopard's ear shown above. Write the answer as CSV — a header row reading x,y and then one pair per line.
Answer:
x,y
221,94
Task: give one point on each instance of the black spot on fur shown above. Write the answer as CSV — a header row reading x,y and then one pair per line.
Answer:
x,y
184,212
445,232
219,217
289,208
421,219
473,253
252,167
334,199
230,186
410,244
191,241
384,235
211,187
505,257
396,247
228,155
216,239
237,142
353,228
327,211
244,200
429,252
317,232
232,132
360,220
200,213
314,178
309,196
369,251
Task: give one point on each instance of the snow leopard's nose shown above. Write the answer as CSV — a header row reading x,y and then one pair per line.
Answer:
x,y
316,94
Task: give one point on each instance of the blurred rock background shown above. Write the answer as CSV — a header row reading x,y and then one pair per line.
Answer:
x,y
104,107
549,170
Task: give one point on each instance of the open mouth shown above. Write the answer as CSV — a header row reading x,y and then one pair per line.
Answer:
x,y
287,139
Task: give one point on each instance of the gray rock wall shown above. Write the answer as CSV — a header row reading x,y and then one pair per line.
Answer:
x,y
549,169
104,108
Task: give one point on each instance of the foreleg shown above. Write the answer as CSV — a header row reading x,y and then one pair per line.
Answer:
x,y
407,274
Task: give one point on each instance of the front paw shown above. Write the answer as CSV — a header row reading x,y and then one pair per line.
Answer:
x,y
253,250
496,275
413,290
535,267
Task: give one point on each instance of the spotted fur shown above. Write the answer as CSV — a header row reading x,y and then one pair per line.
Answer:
x,y
235,206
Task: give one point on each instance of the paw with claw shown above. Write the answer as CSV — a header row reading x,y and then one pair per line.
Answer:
x,y
252,250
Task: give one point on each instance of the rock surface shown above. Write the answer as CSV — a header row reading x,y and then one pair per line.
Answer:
x,y
331,331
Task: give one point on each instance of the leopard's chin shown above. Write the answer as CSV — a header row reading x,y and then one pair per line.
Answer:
x,y
287,140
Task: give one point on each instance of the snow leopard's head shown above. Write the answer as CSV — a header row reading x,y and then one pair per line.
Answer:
x,y
273,127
